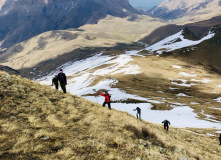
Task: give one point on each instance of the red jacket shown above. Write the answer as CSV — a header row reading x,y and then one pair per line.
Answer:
x,y
107,97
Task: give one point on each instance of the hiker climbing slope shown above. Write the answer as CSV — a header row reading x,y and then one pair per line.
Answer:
x,y
63,81
166,124
55,81
138,112
220,139
107,99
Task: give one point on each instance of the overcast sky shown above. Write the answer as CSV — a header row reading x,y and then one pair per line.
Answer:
x,y
145,3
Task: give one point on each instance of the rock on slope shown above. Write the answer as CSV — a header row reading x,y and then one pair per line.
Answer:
x,y
37,122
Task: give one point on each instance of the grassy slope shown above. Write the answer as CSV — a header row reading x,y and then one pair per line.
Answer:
x,y
38,122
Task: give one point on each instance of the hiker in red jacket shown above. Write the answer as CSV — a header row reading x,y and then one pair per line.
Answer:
x,y
107,99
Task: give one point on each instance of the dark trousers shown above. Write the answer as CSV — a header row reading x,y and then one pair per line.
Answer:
x,y
166,127
138,115
56,85
108,103
63,87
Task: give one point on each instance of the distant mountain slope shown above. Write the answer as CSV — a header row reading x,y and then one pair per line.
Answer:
x,y
23,19
199,29
49,45
38,122
207,53
171,9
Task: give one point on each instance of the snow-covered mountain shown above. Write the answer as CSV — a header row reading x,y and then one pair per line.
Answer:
x,y
170,9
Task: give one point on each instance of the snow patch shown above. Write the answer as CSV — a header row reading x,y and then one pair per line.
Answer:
x,y
170,44
218,99
203,80
182,95
184,82
187,74
176,66
194,103
181,117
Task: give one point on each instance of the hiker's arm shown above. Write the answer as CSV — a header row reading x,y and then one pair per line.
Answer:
x,y
101,94
65,80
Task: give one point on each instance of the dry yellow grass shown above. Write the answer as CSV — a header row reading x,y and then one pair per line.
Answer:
x,y
74,128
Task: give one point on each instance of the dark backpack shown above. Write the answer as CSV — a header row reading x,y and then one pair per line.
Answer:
x,y
62,78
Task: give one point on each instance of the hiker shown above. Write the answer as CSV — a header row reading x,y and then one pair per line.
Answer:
x,y
220,139
138,112
63,81
107,99
55,81
166,124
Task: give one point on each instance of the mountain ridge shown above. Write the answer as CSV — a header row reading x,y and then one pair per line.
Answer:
x,y
24,19
172,9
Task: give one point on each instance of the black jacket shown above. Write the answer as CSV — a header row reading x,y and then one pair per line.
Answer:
x,y
62,78
55,80
138,110
166,122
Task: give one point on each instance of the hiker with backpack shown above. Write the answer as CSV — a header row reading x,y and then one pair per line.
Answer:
x,y
138,112
63,80
55,81
166,124
107,99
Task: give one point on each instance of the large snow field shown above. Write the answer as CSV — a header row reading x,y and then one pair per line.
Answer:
x,y
92,74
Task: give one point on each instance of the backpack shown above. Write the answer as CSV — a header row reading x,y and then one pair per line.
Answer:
x,y
62,78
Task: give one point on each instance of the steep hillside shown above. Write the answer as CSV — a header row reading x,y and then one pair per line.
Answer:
x,y
207,54
38,122
24,19
195,10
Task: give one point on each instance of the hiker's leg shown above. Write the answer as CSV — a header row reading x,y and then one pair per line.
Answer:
x,y
56,86
63,87
104,104
165,127
109,106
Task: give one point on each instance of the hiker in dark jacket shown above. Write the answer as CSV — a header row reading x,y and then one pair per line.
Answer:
x,y
63,81
107,99
220,139
138,112
55,81
166,124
